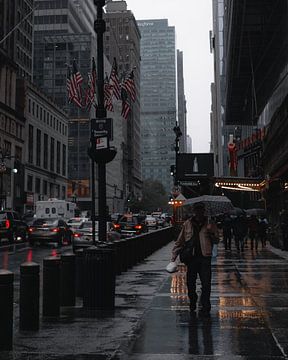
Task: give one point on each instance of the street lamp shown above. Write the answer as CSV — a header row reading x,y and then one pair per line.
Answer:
x,y
105,154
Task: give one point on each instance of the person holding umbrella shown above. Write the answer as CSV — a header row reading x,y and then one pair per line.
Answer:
x,y
202,235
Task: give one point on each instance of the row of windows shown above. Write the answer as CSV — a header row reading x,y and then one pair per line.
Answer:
x,y
11,126
41,149
50,189
24,58
55,4
51,19
25,41
45,116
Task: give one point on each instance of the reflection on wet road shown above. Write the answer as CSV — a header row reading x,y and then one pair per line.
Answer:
x,y
248,318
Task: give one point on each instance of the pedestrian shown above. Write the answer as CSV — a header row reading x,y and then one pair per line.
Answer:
x,y
253,229
203,236
227,231
240,231
262,230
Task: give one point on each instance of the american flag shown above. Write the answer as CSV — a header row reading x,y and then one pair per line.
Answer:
x,y
91,89
108,90
114,81
126,108
129,86
74,81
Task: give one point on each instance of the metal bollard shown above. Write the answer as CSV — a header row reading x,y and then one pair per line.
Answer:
x,y
99,274
51,286
6,310
67,286
79,261
29,296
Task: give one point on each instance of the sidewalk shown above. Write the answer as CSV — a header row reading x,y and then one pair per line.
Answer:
x,y
152,319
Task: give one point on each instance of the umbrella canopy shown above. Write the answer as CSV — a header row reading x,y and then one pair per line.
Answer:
x,y
237,211
256,212
215,205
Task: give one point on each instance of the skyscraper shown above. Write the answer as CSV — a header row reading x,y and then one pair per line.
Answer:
x,y
158,99
182,111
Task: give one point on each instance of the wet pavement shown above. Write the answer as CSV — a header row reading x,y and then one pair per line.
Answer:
x,y
248,320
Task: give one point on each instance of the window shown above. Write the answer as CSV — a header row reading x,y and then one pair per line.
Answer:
x,y
38,148
58,157
64,160
29,182
45,152
37,186
52,154
30,143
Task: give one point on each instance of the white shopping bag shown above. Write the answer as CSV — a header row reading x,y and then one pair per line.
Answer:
x,y
215,250
172,267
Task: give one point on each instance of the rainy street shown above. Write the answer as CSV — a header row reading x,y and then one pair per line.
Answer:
x,y
152,320
248,318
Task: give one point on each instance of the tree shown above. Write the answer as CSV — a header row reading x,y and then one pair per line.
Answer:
x,y
154,197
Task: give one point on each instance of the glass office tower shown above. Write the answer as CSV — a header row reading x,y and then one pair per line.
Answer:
x,y
158,99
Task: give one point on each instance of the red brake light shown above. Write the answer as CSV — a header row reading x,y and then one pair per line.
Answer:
x,y
116,226
56,230
77,235
138,227
30,229
7,224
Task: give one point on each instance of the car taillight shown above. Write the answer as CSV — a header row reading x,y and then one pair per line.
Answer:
x,y
30,229
138,227
55,230
116,226
77,235
7,224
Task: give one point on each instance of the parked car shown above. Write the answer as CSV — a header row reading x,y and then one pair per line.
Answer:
x,y
151,222
12,228
130,225
82,237
49,230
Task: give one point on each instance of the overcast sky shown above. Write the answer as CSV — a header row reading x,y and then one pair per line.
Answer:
x,y
192,20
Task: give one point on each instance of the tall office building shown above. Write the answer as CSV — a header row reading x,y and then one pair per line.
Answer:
x,y
122,41
18,43
64,31
158,99
221,132
182,111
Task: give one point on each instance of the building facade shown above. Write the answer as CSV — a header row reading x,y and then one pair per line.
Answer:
x,y
122,41
64,31
12,135
46,146
18,44
158,100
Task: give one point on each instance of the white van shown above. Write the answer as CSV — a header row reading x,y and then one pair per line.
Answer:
x,y
55,208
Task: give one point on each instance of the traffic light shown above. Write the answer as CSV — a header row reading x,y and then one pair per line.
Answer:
x,y
172,170
16,167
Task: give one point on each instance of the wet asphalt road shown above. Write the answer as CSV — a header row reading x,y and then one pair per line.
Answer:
x,y
249,317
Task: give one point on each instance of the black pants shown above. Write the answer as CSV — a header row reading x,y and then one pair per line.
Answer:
x,y
202,266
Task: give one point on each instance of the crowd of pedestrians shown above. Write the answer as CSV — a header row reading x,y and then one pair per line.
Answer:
x,y
243,230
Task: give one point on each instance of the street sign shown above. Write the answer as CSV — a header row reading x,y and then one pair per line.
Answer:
x,y
189,183
191,167
101,143
102,128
